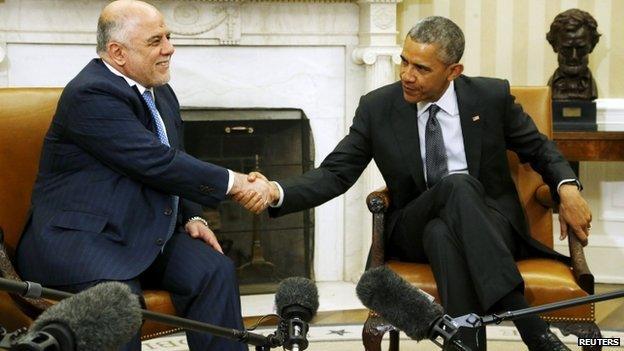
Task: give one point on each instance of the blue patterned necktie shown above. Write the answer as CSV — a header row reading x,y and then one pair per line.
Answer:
x,y
158,122
435,152
162,136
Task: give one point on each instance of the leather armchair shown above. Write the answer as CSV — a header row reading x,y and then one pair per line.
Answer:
x,y
24,119
546,280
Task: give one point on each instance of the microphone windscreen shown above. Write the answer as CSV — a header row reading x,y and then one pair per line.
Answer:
x,y
398,302
297,292
103,317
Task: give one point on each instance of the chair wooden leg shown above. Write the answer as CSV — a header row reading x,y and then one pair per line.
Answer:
x,y
394,340
374,329
581,330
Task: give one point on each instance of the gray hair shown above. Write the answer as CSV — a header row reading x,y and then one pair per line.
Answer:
x,y
110,30
443,32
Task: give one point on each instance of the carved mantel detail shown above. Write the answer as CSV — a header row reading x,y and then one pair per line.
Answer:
x,y
369,55
205,19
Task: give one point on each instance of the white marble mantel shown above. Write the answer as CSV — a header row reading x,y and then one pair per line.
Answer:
x,y
319,56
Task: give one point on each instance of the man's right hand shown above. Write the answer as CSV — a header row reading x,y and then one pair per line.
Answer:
x,y
252,192
274,193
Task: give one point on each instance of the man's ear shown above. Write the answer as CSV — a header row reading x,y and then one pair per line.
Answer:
x,y
116,52
456,71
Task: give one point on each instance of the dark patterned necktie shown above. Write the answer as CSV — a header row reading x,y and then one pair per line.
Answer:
x,y
435,152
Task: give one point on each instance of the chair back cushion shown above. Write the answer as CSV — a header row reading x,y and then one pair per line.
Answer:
x,y
24,119
535,101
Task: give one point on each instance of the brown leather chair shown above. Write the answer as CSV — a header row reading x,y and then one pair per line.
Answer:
x,y
546,280
25,116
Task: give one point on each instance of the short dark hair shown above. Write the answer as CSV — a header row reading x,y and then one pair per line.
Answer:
x,y
572,20
443,32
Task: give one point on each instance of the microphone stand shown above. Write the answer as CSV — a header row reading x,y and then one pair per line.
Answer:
x,y
474,321
262,343
446,327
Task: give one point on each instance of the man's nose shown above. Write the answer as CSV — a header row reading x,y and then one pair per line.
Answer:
x,y
168,48
574,53
408,74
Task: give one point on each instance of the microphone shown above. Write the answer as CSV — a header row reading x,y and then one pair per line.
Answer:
x,y
406,307
296,300
103,317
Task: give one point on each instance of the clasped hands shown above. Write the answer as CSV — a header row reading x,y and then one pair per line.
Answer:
x,y
254,191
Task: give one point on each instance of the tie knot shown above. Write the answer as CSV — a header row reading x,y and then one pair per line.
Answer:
x,y
147,95
433,109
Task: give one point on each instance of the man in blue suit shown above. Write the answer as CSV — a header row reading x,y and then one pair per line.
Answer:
x,y
117,198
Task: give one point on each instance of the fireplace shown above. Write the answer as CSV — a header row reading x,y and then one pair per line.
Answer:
x,y
277,143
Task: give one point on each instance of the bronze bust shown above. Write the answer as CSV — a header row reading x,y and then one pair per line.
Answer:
x,y
573,35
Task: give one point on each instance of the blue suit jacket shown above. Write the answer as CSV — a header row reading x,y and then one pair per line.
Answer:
x,y
101,205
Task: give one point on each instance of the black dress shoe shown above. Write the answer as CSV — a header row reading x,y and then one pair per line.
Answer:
x,y
546,342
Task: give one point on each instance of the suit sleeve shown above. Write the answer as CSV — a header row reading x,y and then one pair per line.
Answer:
x,y
523,137
336,174
188,208
105,125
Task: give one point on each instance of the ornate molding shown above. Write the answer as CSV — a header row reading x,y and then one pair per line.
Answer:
x,y
368,55
384,18
304,1
378,1
216,19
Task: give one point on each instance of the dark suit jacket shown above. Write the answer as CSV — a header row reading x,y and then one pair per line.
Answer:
x,y
385,129
101,205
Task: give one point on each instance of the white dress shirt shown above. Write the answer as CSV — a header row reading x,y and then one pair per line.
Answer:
x,y
448,117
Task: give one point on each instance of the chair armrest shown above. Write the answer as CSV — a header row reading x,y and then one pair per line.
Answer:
x,y
580,269
30,307
544,197
378,202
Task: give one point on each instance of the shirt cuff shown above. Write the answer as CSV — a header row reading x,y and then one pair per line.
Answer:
x,y
281,196
230,182
575,181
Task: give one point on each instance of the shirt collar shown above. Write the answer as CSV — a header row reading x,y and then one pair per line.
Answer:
x,y
447,102
130,82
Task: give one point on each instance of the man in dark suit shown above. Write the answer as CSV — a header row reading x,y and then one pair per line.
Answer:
x,y
117,198
439,139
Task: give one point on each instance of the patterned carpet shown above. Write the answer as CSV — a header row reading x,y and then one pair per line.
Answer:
x,y
341,331
347,338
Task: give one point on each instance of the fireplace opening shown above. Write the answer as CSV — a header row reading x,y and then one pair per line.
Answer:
x,y
278,143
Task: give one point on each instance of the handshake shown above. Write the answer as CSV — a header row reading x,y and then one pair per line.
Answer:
x,y
254,191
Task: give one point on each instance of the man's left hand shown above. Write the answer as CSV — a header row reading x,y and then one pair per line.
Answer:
x,y
199,230
574,213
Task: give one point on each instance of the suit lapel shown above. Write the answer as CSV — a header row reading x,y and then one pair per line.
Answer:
x,y
405,125
471,121
167,115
